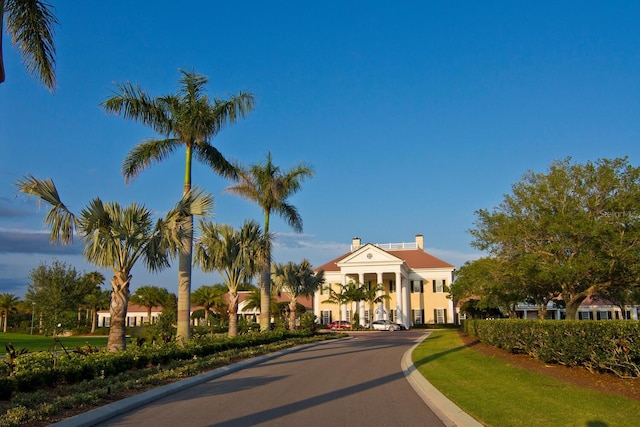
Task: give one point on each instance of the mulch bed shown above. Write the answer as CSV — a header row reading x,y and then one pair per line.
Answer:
x,y
603,382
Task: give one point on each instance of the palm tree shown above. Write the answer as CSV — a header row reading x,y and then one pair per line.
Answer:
x,y
96,301
336,297
296,280
149,296
269,187
209,297
30,25
187,119
254,299
116,238
8,303
235,254
374,295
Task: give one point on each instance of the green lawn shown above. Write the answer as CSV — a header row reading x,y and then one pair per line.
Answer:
x,y
39,342
497,394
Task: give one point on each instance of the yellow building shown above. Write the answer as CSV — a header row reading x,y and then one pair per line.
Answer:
x,y
416,282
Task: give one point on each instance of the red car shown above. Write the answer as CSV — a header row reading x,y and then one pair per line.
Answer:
x,y
339,324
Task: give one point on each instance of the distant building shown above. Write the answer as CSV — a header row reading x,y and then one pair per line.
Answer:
x,y
416,282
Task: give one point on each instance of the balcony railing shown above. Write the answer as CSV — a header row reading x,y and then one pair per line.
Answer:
x,y
389,246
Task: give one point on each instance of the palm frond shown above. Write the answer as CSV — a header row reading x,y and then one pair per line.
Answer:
x,y
61,221
145,154
135,104
31,25
209,155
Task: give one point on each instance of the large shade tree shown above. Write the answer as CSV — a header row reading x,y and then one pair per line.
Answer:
x,y
30,23
118,237
296,280
187,119
578,222
235,254
270,188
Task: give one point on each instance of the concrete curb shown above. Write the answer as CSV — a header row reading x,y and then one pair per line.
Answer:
x,y
448,412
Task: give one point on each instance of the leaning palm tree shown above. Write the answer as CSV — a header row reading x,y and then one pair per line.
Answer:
x,y
269,187
296,280
117,238
187,119
149,296
209,297
235,254
8,303
30,24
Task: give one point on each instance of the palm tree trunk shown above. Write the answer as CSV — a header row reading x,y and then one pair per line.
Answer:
x,y
233,314
265,298
94,320
292,314
184,292
118,310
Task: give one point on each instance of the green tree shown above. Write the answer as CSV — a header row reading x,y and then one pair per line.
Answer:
x,y
269,187
117,238
149,296
187,119
8,304
296,280
30,24
235,254
339,298
58,290
579,222
209,297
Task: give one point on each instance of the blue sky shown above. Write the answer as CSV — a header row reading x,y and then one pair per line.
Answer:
x,y
413,114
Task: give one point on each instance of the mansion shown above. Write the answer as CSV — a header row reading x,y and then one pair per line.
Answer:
x,y
415,282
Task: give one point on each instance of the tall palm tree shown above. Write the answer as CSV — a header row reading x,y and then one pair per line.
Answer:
x,y
8,303
269,187
296,280
187,119
117,237
30,24
149,296
97,300
209,297
235,254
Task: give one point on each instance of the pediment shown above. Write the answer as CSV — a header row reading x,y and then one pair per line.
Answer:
x,y
368,255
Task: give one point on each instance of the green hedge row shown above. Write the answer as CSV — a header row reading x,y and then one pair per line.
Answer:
x,y
34,370
602,346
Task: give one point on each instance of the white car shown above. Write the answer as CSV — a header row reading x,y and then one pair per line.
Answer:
x,y
385,325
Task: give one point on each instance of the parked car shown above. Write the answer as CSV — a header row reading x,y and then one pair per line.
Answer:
x,y
339,324
385,325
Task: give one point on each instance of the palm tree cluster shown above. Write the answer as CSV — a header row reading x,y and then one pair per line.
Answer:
x,y
354,293
117,237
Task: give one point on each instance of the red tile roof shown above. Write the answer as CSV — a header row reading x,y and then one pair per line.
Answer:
x,y
414,258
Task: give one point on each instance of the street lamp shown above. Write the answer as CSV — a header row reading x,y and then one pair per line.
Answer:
x,y
33,311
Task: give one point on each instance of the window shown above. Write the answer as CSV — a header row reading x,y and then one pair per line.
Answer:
x,y
585,315
416,286
392,286
325,290
417,316
440,315
326,316
393,315
349,316
604,315
439,285
366,316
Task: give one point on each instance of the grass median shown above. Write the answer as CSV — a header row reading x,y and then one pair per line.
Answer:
x,y
497,394
45,343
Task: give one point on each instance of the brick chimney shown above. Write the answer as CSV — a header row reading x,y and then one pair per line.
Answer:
x,y
420,241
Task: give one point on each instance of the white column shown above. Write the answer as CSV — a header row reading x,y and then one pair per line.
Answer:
x,y
316,303
380,310
399,287
361,304
343,308
406,303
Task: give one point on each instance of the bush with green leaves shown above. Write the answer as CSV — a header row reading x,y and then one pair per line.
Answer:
x,y
603,346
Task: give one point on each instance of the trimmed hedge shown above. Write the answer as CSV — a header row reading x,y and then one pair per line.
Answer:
x,y
602,346
34,370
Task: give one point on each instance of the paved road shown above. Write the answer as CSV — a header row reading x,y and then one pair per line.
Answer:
x,y
355,382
